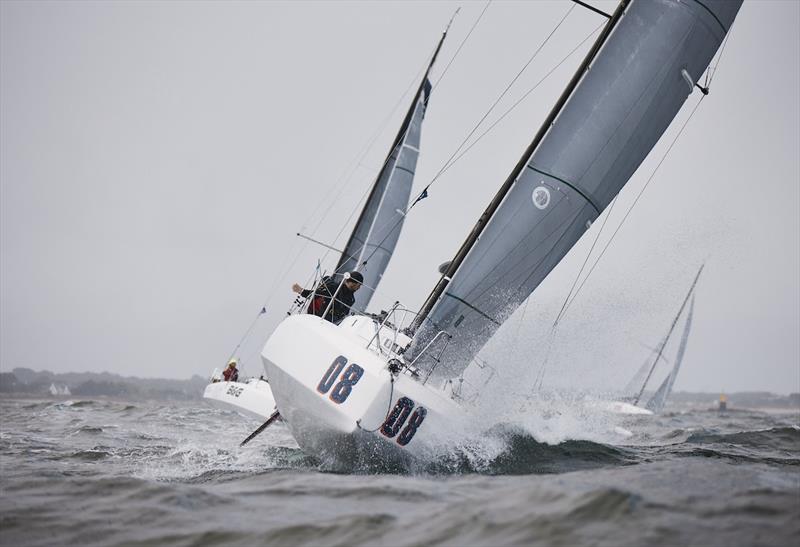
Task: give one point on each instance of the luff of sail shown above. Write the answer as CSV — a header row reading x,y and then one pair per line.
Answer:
x,y
624,96
377,230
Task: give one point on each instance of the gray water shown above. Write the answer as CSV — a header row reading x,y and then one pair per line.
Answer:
x,y
100,472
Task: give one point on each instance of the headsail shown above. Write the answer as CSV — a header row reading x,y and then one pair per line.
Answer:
x,y
375,234
657,401
643,68
632,387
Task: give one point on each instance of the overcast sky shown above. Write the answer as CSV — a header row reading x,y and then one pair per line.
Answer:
x,y
157,159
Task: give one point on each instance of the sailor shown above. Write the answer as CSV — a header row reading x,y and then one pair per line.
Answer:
x,y
231,374
326,289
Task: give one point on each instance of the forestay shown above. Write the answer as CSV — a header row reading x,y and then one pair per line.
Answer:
x,y
378,228
629,89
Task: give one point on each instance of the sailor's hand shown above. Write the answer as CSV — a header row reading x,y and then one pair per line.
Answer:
x,y
297,288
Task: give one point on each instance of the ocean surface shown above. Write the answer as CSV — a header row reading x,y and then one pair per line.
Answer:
x,y
104,472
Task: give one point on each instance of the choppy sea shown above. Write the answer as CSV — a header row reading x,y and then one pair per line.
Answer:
x,y
103,472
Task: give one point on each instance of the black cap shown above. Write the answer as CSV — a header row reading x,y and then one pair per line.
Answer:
x,y
356,276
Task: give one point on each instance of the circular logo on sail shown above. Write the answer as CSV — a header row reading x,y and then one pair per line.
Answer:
x,y
541,197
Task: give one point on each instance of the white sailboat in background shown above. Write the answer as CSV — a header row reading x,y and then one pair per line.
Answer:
x,y
368,250
634,392
379,388
59,390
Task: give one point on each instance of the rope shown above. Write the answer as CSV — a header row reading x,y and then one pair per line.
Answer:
x,y
388,410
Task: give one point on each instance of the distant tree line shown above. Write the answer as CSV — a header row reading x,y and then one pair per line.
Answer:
x,y
25,381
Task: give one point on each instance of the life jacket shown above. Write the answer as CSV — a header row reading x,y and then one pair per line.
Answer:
x,y
317,305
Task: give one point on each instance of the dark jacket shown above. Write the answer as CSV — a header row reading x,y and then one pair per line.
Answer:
x,y
322,297
230,375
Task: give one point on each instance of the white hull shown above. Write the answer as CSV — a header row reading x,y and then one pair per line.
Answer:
x,y
621,407
252,398
338,397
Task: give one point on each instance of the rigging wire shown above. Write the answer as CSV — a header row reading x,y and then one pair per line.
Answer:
x,y
513,106
585,261
365,194
353,166
357,207
464,41
499,98
450,162
348,173
710,73
346,179
635,201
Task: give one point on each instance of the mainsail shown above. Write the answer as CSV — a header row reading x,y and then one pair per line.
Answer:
x,y
378,228
621,100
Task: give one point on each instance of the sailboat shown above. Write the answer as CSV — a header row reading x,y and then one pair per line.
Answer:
x,y
378,387
368,250
631,403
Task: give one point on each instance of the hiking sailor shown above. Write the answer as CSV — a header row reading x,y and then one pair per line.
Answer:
x,y
326,289
231,374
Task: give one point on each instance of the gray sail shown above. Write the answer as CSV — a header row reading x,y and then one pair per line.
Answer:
x,y
378,228
659,398
632,387
624,96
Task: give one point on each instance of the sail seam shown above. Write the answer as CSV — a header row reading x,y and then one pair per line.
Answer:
x,y
583,195
714,15
470,306
401,168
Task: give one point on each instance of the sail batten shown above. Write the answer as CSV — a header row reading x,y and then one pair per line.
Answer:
x,y
620,101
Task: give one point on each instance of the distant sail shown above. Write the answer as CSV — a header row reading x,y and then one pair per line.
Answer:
x,y
632,387
624,96
657,401
375,235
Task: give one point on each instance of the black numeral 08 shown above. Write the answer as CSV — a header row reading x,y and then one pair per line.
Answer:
x,y
397,418
349,378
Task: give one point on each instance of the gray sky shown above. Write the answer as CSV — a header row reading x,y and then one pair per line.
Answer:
x,y
156,160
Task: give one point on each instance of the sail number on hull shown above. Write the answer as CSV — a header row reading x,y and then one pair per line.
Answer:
x,y
397,418
349,378
403,413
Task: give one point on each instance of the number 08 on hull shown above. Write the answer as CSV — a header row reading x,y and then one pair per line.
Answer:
x,y
334,389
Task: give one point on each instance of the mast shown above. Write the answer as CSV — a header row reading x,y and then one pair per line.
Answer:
x,y
518,168
397,140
